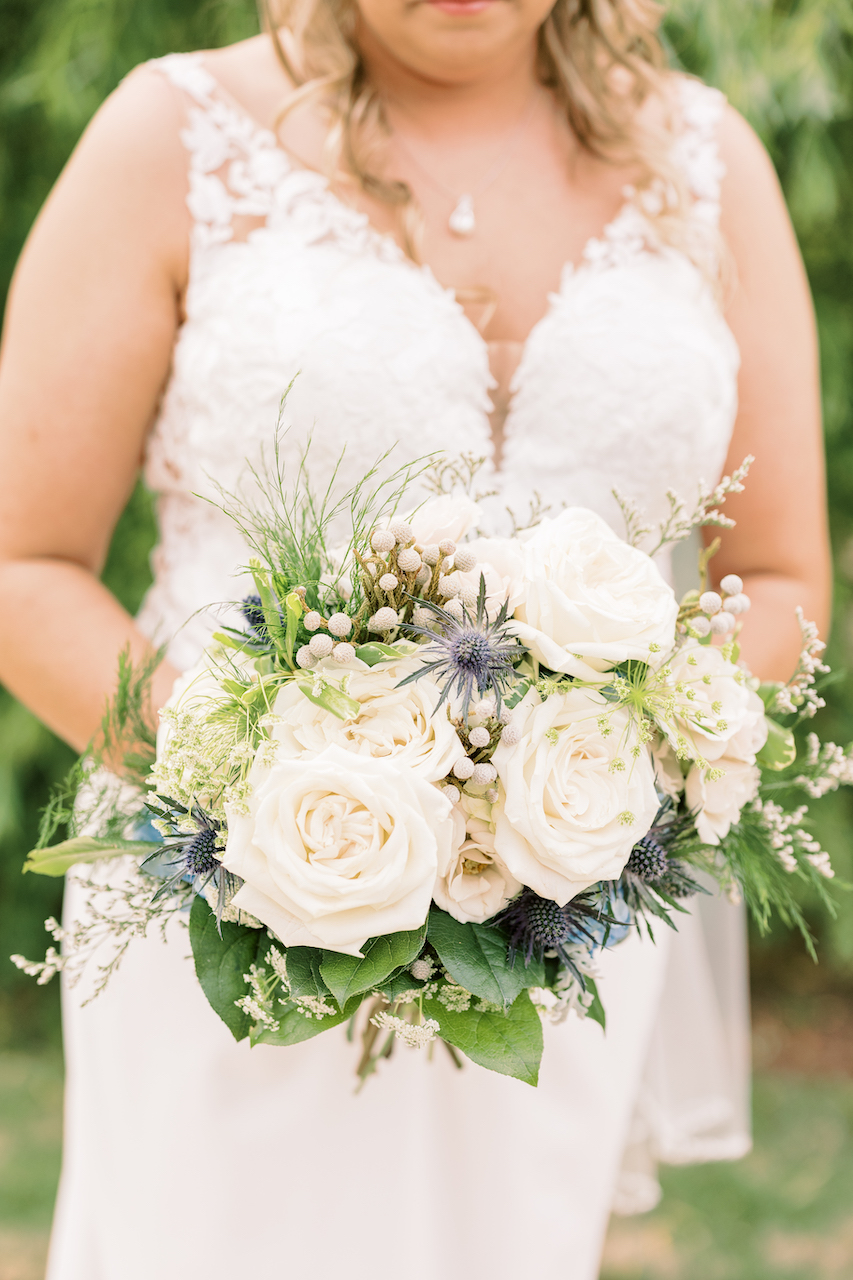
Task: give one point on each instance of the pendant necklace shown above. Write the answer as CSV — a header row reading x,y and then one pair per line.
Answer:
x,y
462,221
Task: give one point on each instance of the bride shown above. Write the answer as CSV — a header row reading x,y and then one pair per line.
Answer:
x,y
486,226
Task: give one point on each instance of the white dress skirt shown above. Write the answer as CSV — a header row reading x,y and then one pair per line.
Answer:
x,y
188,1155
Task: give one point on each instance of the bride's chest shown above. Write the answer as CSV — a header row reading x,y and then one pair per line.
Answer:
x,y
629,380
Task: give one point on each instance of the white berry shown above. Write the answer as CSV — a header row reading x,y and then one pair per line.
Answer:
x,y
423,576
312,621
483,774
738,604
486,708
493,795
447,547
384,620
731,585
382,540
409,560
431,554
388,583
343,653
463,769
479,737
321,646
403,533
465,559
722,623
453,793
448,585
511,735
304,657
421,970
710,602
454,608
700,626
422,617
340,624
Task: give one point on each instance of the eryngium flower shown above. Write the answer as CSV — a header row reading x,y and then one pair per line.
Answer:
x,y
535,925
470,654
648,859
191,855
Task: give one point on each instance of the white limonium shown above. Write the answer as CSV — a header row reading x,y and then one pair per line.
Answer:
x,y
338,848
589,599
575,798
398,725
475,885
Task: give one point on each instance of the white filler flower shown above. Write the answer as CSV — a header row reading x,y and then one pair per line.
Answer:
x,y
475,885
338,849
588,595
576,799
393,724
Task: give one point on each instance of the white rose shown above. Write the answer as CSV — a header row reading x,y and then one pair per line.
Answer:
x,y
447,518
475,884
714,706
501,562
588,595
668,775
575,801
717,802
399,724
338,849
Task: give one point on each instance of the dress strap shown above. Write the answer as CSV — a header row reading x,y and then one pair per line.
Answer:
x,y
696,149
235,164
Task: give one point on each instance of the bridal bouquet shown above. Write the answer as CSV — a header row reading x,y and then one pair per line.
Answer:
x,y
416,783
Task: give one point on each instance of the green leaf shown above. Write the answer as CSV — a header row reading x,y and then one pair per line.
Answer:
x,y
346,976
373,653
475,956
303,972
780,749
56,859
768,690
596,1010
230,643
220,963
510,1043
332,699
294,1027
269,604
293,610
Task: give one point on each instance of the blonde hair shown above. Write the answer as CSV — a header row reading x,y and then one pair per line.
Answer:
x,y
601,59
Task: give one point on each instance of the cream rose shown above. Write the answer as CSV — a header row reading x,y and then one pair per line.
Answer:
x,y
716,795
475,884
500,561
338,849
575,801
713,706
447,518
396,724
590,600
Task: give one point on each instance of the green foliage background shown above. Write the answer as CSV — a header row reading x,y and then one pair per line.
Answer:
x,y
786,64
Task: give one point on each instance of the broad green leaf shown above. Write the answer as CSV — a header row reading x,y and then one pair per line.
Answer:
x,y
294,1027
768,690
332,699
780,749
475,956
303,972
221,961
56,859
596,1010
373,653
346,976
510,1043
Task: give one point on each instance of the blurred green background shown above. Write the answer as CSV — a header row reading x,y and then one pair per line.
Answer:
x,y
788,66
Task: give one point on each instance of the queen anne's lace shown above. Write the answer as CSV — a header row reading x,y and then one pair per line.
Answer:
x,y
629,380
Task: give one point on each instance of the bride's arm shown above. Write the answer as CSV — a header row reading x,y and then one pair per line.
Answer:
x,y
780,545
89,332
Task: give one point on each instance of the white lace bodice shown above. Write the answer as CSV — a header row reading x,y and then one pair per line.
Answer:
x,y
628,381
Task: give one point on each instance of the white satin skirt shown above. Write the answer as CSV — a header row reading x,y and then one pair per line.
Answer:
x,y
190,1157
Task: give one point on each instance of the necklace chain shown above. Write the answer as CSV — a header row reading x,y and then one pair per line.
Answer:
x,y
462,221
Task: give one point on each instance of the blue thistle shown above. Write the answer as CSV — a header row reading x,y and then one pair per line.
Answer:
x,y
648,859
253,614
536,925
191,855
472,654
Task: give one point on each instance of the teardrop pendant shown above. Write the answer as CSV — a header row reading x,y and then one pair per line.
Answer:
x,y
462,221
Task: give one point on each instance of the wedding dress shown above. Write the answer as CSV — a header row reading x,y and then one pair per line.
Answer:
x,y
188,1155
